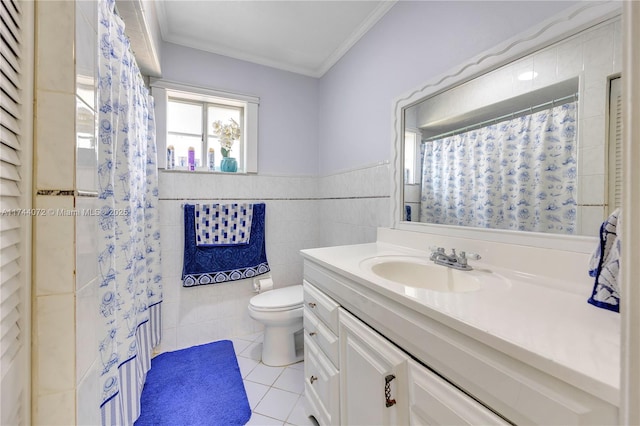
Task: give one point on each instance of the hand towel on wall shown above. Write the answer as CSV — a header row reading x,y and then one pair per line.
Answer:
x,y
223,224
604,265
222,263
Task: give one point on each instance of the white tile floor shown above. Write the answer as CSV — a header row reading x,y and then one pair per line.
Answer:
x,y
276,394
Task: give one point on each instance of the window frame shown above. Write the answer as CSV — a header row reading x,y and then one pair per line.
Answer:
x,y
163,90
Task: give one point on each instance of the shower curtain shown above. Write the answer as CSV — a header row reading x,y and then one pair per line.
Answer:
x,y
130,283
518,174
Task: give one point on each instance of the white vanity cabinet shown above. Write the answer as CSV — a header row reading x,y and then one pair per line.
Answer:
x,y
355,376
322,385
390,348
381,385
434,401
373,376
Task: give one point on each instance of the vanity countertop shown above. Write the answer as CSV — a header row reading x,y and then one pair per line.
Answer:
x,y
535,320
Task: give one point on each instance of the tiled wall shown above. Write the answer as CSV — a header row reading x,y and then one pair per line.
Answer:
x,y
53,337
64,382
301,212
353,204
201,314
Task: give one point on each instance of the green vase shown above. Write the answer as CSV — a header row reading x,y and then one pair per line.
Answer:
x,y
229,164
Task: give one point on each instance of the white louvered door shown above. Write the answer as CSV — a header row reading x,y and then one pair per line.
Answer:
x,y
15,202
615,144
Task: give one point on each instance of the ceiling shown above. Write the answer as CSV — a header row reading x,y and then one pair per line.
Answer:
x,y
303,36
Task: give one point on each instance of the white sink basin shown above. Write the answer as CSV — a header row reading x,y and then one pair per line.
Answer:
x,y
422,273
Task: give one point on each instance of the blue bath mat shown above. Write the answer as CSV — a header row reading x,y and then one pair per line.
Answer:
x,y
201,385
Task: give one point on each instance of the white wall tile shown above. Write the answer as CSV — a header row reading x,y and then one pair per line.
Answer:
x,y
617,42
591,160
56,409
592,189
55,55
593,131
86,149
54,351
86,322
598,48
54,249
87,394
55,140
86,240
520,67
591,218
545,64
570,58
85,48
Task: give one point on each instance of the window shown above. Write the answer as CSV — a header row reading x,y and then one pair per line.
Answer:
x,y
185,117
190,124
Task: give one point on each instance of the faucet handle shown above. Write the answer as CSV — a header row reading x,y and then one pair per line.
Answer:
x,y
435,251
472,256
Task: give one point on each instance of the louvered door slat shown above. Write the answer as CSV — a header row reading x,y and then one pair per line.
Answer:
x,y
13,286
9,172
9,238
9,255
9,138
615,145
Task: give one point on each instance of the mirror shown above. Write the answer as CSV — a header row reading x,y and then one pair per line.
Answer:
x,y
522,147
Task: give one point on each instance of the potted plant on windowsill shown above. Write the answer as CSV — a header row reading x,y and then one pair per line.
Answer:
x,y
227,134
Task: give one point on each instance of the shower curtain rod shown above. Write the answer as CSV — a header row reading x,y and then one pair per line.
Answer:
x,y
510,115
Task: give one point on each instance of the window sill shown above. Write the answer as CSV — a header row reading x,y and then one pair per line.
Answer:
x,y
204,171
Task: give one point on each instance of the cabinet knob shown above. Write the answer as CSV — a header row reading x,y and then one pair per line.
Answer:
x,y
313,379
311,304
312,333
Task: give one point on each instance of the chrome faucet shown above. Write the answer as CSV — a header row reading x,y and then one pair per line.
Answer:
x,y
453,260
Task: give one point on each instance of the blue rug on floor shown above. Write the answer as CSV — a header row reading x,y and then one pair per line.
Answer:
x,y
201,385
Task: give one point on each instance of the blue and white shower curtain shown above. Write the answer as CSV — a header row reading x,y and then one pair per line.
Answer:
x,y
518,174
130,288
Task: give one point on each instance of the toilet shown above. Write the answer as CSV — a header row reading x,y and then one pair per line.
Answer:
x,y
280,311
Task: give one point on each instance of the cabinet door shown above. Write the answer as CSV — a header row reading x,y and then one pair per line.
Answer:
x,y
434,401
373,376
321,385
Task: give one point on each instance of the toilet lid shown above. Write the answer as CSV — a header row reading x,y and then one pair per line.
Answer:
x,y
280,298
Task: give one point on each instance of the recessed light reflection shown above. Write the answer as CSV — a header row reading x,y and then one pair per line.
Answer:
x,y
527,75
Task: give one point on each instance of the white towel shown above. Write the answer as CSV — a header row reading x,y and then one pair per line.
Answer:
x,y
604,265
223,224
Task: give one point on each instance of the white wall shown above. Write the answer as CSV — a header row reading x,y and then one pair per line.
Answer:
x,y
288,112
412,44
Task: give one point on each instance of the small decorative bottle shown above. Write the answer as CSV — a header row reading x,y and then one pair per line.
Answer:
x,y
211,158
192,158
171,158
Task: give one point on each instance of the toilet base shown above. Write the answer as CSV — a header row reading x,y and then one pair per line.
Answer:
x,y
279,346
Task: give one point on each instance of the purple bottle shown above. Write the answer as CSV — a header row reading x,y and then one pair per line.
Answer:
x,y
192,158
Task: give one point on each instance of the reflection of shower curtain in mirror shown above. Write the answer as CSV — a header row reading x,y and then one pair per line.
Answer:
x,y
518,174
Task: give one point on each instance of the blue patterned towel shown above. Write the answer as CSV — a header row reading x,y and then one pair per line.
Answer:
x,y
604,266
220,263
223,224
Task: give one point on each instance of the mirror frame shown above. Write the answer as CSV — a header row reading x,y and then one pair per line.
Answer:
x,y
569,22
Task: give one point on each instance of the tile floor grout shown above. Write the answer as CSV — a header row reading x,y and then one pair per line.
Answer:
x,y
275,394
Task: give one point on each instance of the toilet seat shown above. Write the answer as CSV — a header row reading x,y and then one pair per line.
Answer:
x,y
280,299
